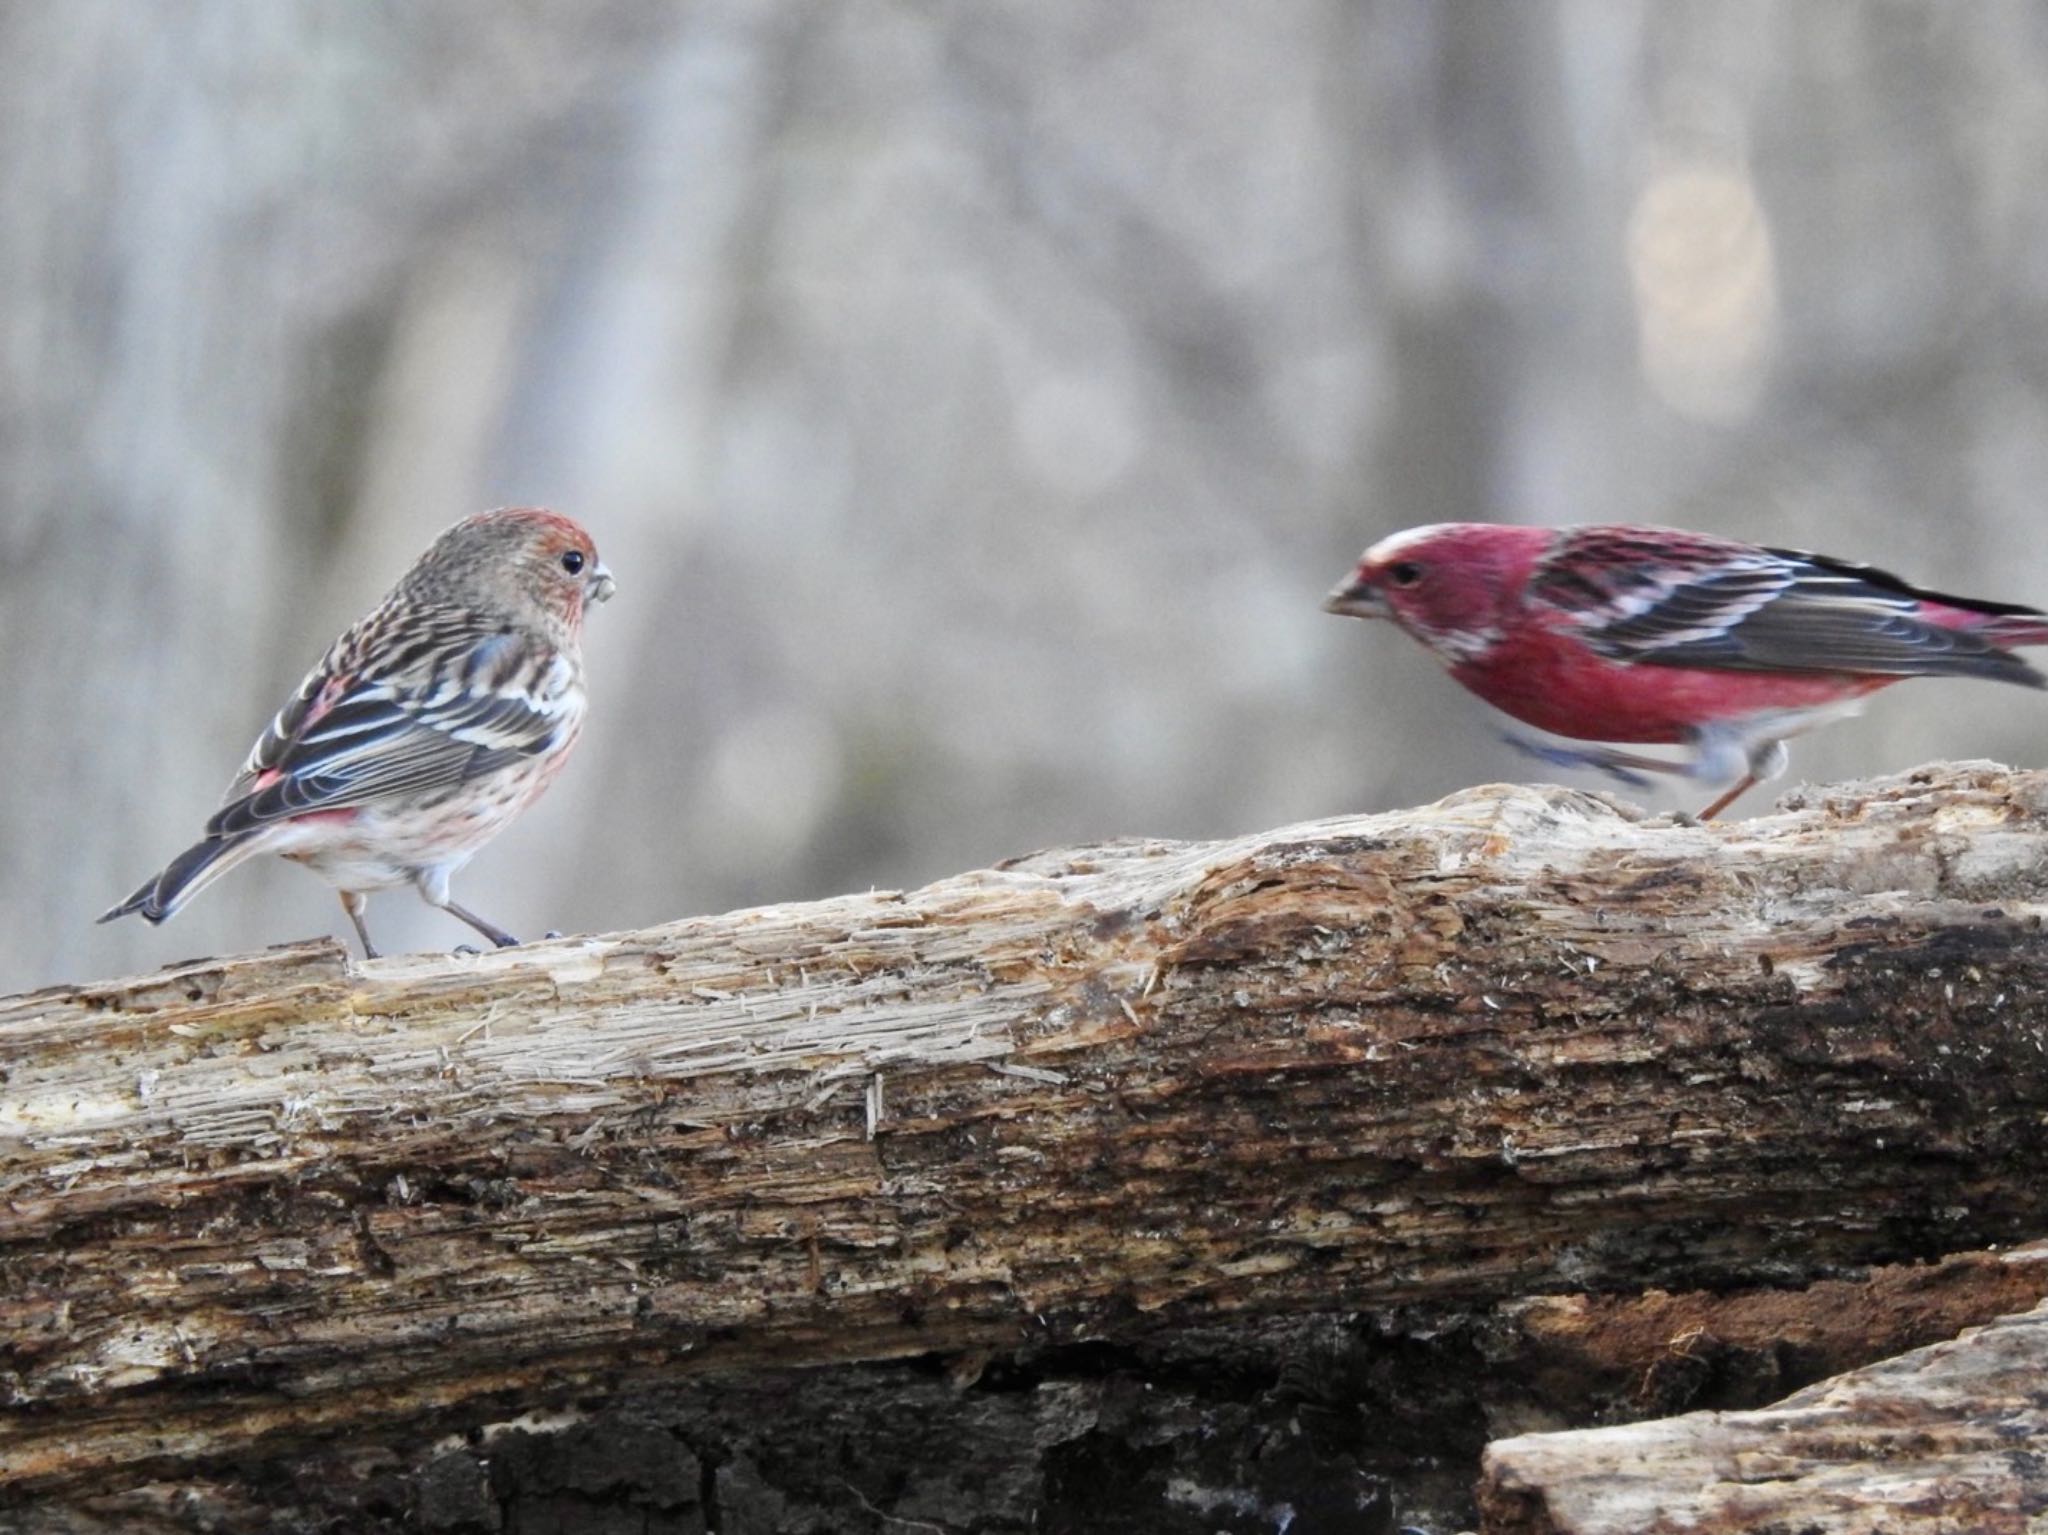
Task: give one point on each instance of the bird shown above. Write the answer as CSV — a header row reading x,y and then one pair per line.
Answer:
x,y
429,725
1643,635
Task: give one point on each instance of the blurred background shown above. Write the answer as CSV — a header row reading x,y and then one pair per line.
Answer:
x,y
974,400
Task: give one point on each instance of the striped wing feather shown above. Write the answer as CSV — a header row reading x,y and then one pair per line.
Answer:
x,y
1706,603
449,713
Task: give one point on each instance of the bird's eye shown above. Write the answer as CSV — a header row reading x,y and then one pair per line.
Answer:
x,y
573,562
1404,573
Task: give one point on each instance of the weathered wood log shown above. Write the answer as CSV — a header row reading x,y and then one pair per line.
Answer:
x,y
1521,1040
1945,1439
1328,1424
1577,1360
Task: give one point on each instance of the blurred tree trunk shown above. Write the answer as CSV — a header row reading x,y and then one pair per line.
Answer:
x,y
1147,1108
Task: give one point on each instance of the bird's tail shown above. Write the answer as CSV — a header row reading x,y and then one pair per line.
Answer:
x,y
2009,629
184,877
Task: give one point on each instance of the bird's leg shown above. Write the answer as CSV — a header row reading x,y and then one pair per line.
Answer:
x,y
1765,760
354,902
1742,786
1626,767
497,935
432,884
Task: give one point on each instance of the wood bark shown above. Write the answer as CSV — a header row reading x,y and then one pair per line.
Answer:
x,y
1947,1438
1521,1041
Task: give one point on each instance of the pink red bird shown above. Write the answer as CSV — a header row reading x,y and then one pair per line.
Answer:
x,y
1655,636
425,729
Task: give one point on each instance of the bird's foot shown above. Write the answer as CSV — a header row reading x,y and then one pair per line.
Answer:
x,y
553,932
465,948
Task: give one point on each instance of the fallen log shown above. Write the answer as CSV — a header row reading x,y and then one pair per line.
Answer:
x,y
1524,1040
1368,1421
1578,1360
1946,1438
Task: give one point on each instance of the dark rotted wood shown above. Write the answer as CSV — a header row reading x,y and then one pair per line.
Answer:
x,y
1947,1438
1350,1422
1521,1041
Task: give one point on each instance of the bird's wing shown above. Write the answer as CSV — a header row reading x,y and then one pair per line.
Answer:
x,y
1688,600
440,714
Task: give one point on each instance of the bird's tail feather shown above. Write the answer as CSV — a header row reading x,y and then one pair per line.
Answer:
x,y
161,895
2017,629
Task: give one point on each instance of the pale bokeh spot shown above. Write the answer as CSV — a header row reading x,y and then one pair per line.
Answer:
x,y
1706,288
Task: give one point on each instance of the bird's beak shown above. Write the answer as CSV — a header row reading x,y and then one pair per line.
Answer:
x,y
599,585
1357,599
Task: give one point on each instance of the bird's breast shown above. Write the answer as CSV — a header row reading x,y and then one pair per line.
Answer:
x,y
1557,683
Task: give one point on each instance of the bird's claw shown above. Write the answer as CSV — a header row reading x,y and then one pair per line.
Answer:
x,y
553,932
465,948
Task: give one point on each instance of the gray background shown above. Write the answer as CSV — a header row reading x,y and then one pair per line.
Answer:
x,y
974,400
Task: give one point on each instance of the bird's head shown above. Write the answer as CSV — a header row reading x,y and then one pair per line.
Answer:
x,y
1446,584
523,559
